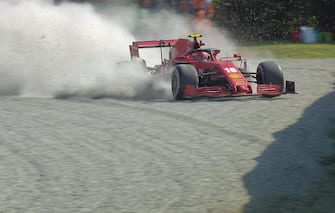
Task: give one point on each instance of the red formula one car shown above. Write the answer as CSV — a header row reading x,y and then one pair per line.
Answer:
x,y
199,72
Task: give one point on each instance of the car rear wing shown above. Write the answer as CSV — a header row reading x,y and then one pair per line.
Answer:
x,y
136,45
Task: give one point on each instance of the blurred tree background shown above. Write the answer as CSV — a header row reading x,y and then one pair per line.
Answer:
x,y
273,19
249,20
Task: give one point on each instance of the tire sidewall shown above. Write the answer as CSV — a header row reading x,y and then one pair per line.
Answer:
x,y
175,84
182,75
269,72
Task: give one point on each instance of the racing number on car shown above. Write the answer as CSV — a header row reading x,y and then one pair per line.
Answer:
x,y
231,70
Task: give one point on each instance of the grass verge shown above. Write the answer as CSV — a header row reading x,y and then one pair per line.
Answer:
x,y
291,50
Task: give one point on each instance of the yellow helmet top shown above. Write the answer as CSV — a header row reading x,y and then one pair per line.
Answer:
x,y
195,36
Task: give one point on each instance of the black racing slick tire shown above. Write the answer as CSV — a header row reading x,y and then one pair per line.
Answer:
x,y
182,75
269,72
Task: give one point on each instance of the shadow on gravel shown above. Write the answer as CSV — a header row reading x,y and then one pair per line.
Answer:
x,y
164,98
222,99
288,175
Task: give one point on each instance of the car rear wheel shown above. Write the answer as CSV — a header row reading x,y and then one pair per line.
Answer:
x,y
269,72
182,75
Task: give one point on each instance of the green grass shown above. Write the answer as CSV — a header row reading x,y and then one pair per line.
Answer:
x,y
291,50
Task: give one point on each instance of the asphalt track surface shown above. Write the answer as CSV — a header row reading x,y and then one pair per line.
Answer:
x,y
112,155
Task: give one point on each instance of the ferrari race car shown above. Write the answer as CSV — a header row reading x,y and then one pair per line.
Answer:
x,y
200,72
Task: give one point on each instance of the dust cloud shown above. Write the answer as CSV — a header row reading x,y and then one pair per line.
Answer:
x,y
73,49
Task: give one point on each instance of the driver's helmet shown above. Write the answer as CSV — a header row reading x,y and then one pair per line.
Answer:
x,y
203,56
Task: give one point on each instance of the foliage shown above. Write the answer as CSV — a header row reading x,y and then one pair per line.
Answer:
x,y
273,19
